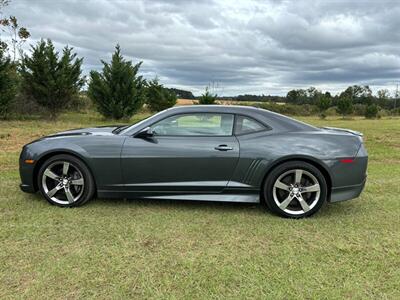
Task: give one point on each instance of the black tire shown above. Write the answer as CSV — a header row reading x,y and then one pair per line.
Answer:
x,y
83,193
275,197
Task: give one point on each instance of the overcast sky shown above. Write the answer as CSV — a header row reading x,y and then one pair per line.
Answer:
x,y
258,47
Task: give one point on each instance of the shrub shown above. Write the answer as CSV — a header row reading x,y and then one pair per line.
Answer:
x,y
344,106
81,103
323,102
331,111
8,84
159,98
359,109
371,112
50,80
207,97
383,113
395,111
117,91
25,107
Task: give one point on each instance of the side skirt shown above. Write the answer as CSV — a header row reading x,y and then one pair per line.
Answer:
x,y
250,197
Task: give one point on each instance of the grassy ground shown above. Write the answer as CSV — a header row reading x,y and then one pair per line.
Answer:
x,y
165,249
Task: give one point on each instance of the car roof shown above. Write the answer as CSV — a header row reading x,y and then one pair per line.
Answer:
x,y
215,108
272,119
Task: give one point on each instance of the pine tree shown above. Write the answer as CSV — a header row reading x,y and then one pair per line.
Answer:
x,y
117,91
207,97
8,84
158,97
51,81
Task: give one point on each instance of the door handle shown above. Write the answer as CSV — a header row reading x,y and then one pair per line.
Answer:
x,y
223,148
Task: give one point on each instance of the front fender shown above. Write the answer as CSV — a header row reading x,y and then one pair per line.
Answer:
x,y
102,155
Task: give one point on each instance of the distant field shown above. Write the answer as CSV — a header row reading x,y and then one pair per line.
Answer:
x,y
185,102
191,250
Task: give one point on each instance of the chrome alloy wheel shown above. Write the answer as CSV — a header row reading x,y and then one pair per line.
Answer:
x,y
63,182
296,191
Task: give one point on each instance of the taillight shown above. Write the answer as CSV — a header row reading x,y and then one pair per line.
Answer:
x,y
346,160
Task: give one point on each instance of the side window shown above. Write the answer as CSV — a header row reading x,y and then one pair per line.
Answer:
x,y
195,124
247,125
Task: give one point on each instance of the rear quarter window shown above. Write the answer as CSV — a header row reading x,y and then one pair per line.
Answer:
x,y
246,125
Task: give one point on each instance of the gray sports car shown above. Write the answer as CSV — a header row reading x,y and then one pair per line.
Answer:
x,y
208,153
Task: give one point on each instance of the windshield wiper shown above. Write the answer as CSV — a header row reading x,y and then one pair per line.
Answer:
x,y
119,129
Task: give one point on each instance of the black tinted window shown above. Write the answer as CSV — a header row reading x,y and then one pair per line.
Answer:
x,y
247,125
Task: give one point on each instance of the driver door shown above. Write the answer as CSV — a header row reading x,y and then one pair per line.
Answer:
x,y
188,152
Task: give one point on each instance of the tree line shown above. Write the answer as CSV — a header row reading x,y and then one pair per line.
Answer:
x,y
356,99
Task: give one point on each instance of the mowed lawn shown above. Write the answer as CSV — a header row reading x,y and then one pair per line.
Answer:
x,y
200,250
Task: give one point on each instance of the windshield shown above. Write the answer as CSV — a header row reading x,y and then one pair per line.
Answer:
x,y
133,126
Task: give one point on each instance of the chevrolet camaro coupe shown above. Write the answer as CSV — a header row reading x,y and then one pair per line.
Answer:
x,y
207,153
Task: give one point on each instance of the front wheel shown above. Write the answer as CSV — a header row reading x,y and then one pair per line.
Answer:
x,y
65,181
295,189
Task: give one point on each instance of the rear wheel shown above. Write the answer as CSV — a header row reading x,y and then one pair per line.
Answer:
x,y
65,180
295,189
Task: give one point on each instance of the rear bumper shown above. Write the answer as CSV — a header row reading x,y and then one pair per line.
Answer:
x,y
348,179
347,192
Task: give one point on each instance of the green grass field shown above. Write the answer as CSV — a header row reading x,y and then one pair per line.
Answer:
x,y
192,250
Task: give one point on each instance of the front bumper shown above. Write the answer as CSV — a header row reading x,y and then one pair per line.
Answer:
x,y
27,188
26,172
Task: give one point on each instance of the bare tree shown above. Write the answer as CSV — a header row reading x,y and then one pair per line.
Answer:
x,y
18,35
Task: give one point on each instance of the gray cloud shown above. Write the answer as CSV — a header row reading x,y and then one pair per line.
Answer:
x,y
244,46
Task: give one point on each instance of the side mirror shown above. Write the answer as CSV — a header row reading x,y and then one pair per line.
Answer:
x,y
145,133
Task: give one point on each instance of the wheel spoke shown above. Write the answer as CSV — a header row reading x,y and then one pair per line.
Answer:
x,y
69,195
311,188
77,181
52,192
298,175
65,168
285,202
303,203
280,185
51,174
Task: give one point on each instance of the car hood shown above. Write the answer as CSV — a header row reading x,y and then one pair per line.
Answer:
x,y
99,131
104,130
110,130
